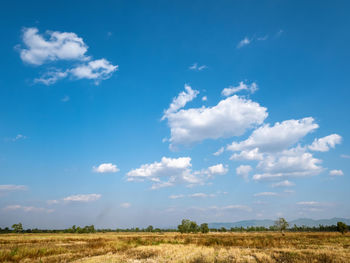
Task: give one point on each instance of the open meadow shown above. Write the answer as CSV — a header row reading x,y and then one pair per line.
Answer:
x,y
175,247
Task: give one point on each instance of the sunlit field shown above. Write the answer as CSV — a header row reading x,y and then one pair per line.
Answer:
x,y
175,247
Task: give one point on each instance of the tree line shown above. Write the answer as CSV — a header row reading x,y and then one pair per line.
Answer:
x,y
186,226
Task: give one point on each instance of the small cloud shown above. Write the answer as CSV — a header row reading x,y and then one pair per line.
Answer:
x,y
19,137
336,173
65,99
106,168
201,195
345,156
308,203
244,42
242,86
82,198
262,38
219,152
243,171
52,202
12,187
266,194
176,196
27,208
196,67
125,205
204,98
284,183
279,33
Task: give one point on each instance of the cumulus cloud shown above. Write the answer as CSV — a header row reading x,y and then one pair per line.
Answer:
x,y
218,169
106,168
181,100
170,171
284,183
278,137
325,143
27,208
204,98
56,46
12,187
230,117
82,198
243,171
242,86
244,42
336,173
99,69
266,194
247,155
295,162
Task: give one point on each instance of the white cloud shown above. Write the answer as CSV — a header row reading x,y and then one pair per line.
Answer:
x,y
51,77
125,205
204,98
278,137
284,183
52,202
325,143
336,173
345,156
12,187
218,169
106,168
196,67
170,171
245,41
99,69
27,208
19,137
295,162
243,171
181,100
176,196
65,99
59,46
242,86
201,195
230,117
247,155
219,152
308,203
63,46
82,198
266,194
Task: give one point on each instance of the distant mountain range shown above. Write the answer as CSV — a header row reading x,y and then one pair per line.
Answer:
x,y
267,222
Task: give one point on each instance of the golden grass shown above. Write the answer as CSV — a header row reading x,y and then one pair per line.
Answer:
x,y
174,247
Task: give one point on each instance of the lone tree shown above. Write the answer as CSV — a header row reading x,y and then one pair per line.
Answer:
x,y
149,229
342,227
281,224
18,228
204,228
188,226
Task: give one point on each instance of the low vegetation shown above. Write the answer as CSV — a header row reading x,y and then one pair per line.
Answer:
x,y
192,243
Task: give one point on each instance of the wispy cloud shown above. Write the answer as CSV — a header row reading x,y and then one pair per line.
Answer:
x,y
27,208
12,187
196,67
82,198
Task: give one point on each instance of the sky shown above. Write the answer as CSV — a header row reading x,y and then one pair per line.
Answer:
x,y
136,113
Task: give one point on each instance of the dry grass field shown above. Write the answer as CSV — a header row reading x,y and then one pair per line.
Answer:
x,y
174,247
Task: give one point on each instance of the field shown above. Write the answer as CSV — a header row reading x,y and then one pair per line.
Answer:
x,y
175,247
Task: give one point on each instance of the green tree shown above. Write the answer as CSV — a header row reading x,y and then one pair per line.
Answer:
x,y
188,226
149,229
18,228
204,228
281,224
342,227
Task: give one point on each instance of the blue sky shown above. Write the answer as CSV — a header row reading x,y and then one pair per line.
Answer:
x,y
110,113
